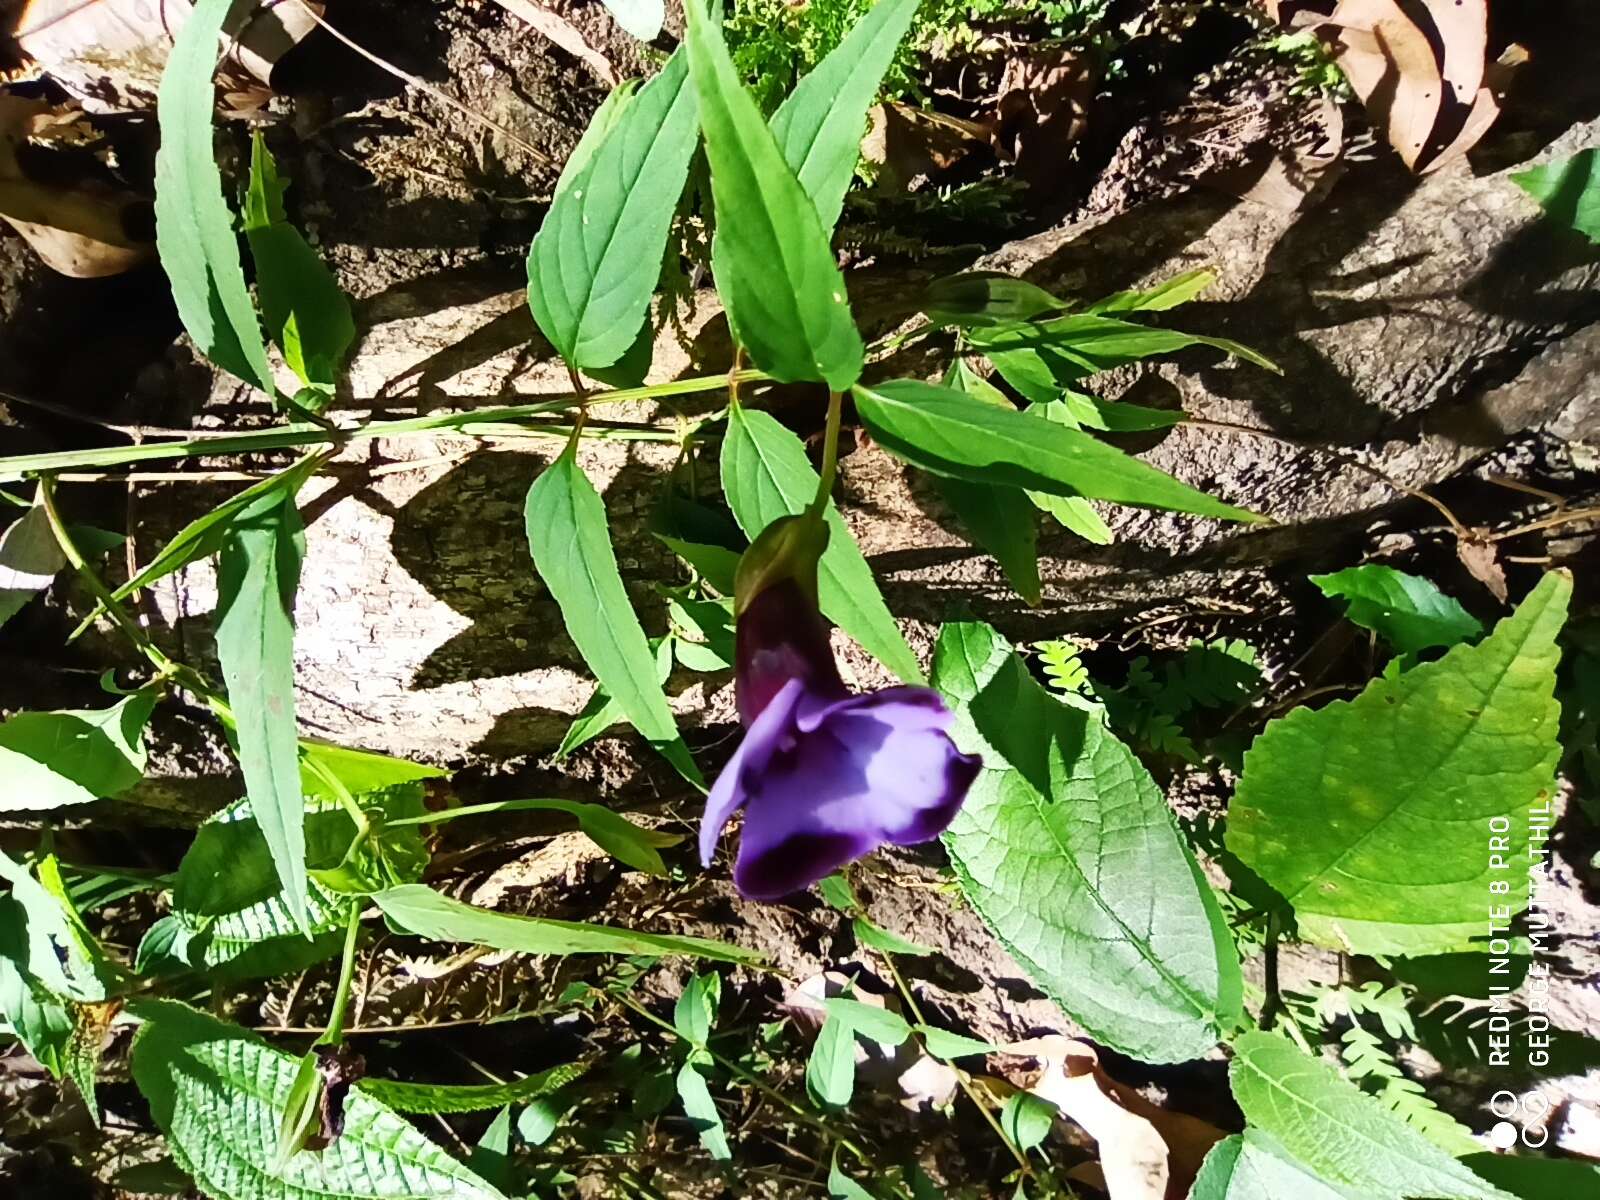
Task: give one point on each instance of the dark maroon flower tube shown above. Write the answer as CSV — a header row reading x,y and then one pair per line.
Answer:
x,y
823,776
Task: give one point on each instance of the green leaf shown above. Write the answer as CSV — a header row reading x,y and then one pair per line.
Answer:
x,y
819,126
986,298
765,475
1568,191
642,18
52,759
842,1187
831,1069
1169,293
602,712
696,1010
48,943
1370,816
950,433
716,564
84,1049
571,545
1083,344
218,1094
1112,416
774,269
701,1110
1407,610
1067,849
1254,1167
431,1098
194,229
1027,1119
837,893
257,575
424,912
596,258
491,1157
307,314
1339,1133
539,1119
360,771
30,557
999,520
880,939
871,1022
1532,1178
42,1022
941,1043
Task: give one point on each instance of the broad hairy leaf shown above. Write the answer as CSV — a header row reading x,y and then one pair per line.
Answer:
x,y
951,433
85,1048
307,314
218,1093
52,759
774,269
423,911
30,557
433,1098
596,258
1081,344
1568,190
1338,1133
257,574
1067,849
571,545
1251,1166
1370,815
194,227
1534,1177
766,475
1411,612
819,125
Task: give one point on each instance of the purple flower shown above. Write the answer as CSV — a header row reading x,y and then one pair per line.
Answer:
x,y
824,776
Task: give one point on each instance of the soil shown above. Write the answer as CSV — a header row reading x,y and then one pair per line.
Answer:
x,y
1428,330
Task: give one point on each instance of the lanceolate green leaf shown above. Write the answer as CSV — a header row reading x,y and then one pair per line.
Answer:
x,y
774,269
951,433
1371,816
1411,612
460,1098
571,546
257,575
51,759
307,315
597,256
819,125
423,911
701,1109
765,475
1067,849
1169,293
1001,520
1083,343
194,228
1337,1132
218,1093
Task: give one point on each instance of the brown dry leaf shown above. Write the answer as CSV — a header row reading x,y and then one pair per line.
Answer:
x,y
1041,109
1146,1153
1288,179
559,30
1391,65
910,147
1479,555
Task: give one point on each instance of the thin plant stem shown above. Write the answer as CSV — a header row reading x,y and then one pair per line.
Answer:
x,y
475,810
334,1034
830,455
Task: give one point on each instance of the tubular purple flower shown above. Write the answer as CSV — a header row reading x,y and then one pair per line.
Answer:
x,y
823,776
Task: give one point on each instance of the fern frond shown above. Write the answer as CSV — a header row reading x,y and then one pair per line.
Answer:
x,y
1368,1062
1063,666
1210,675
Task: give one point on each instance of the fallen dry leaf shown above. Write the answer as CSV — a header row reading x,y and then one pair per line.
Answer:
x,y
1479,555
1041,109
561,31
1287,179
910,147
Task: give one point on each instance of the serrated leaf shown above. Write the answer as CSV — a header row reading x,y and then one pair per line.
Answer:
x,y
85,1046
431,1098
30,557
423,911
774,270
642,18
258,573
571,545
1252,1167
765,476
1568,190
701,1110
831,1067
218,1093
306,313
1369,816
819,125
871,1022
1336,1131
1083,344
986,298
194,228
950,433
1068,851
1407,610
53,759
596,258
1169,293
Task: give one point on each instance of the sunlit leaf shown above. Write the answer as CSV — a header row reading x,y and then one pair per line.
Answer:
x,y
1568,190
52,759
1411,612
432,1098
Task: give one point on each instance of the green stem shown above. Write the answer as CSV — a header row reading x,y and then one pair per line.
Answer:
x,y
340,793
476,810
334,1034
23,465
830,456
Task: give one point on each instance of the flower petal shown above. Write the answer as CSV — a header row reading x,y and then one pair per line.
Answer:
x,y
916,778
761,741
